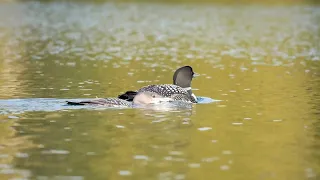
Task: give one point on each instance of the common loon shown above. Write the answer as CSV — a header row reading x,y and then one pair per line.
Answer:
x,y
179,90
142,98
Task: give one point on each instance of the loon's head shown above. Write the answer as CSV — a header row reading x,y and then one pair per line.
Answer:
x,y
183,76
143,98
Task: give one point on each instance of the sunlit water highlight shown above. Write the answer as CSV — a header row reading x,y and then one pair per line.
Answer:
x,y
15,106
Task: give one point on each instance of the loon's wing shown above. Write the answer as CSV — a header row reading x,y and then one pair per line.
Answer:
x,y
87,102
75,103
100,101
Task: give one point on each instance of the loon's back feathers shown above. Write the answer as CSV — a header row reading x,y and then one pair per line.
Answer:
x,y
169,90
164,89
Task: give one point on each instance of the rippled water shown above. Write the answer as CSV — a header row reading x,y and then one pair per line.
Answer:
x,y
262,62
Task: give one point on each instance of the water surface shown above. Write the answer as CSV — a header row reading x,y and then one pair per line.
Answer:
x,y
262,62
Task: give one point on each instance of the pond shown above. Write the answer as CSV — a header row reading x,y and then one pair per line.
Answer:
x,y
261,62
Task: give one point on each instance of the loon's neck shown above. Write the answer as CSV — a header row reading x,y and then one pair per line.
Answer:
x,y
194,97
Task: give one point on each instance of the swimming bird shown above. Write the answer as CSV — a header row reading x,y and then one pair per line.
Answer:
x,y
179,90
142,98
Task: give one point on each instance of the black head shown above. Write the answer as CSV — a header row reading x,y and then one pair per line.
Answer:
x,y
128,96
183,76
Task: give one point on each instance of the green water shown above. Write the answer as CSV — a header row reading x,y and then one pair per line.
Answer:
x,y
263,62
